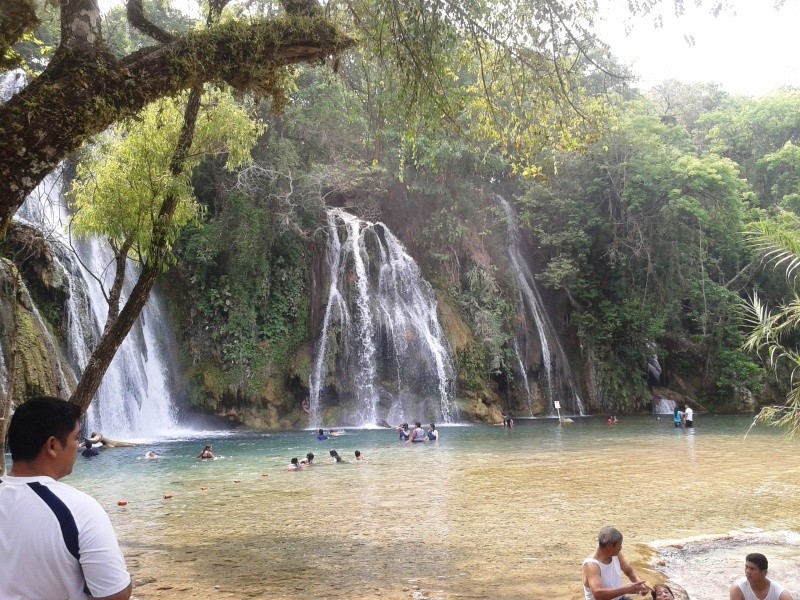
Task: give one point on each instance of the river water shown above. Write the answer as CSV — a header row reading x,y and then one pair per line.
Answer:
x,y
484,513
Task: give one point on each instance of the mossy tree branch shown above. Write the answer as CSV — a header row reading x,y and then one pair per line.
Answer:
x,y
85,88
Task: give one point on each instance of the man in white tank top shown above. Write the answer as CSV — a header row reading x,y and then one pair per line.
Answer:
x,y
755,585
602,572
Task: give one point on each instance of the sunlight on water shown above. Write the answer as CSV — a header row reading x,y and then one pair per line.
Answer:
x,y
485,513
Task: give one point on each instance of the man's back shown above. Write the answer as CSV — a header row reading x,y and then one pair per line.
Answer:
x,y
56,540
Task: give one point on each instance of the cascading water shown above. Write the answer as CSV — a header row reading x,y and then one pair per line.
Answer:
x,y
560,382
382,352
134,400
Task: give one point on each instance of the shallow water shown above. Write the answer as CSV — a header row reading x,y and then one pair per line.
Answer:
x,y
485,513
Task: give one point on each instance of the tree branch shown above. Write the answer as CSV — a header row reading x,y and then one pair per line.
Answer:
x,y
135,13
17,17
85,92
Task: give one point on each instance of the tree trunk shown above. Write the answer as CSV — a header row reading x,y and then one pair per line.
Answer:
x,y
7,397
117,329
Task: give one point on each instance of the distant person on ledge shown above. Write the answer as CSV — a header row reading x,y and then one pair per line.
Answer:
x,y
56,541
755,585
602,572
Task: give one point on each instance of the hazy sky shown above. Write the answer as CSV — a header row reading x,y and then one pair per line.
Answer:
x,y
752,52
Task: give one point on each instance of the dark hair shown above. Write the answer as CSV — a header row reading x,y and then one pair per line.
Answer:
x,y
35,421
417,424
334,453
758,560
660,586
310,456
433,426
609,536
294,461
320,432
358,453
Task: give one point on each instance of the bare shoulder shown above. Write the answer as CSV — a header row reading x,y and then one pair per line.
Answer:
x,y
785,595
736,593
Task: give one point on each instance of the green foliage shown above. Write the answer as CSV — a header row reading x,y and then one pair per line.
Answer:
x,y
120,188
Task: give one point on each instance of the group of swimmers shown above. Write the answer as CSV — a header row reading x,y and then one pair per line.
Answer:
x,y
418,434
308,461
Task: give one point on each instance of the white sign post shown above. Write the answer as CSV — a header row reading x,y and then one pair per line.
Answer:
x,y
558,409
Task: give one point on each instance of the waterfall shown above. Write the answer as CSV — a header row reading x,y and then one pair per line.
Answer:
x,y
134,399
558,374
663,406
381,341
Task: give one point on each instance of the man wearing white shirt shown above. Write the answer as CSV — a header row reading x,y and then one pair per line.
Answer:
x,y
56,542
755,585
688,415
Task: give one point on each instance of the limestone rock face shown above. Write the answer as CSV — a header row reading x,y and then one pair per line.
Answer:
x,y
38,359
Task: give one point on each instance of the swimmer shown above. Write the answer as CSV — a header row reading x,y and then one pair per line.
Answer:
x,y
293,465
336,458
206,453
308,460
360,457
150,455
433,433
418,434
662,592
321,435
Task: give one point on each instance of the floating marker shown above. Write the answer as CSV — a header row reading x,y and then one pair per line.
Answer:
x,y
122,503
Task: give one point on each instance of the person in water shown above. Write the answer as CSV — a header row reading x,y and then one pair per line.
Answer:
x,y
308,460
433,433
508,420
404,434
678,419
336,458
207,453
662,592
293,465
418,433
321,435
88,451
360,457
150,455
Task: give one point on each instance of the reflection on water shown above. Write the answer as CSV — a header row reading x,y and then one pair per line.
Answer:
x,y
485,513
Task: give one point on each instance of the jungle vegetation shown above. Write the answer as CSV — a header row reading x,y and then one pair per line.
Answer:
x,y
635,204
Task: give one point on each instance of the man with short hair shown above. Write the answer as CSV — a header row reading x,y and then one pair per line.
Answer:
x,y
755,585
56,541
602,572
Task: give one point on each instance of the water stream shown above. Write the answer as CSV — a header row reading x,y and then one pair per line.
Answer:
x,y
134,400
381,353
559,379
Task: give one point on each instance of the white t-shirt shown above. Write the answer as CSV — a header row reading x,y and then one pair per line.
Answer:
x,y
689,412
36,561
775,590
